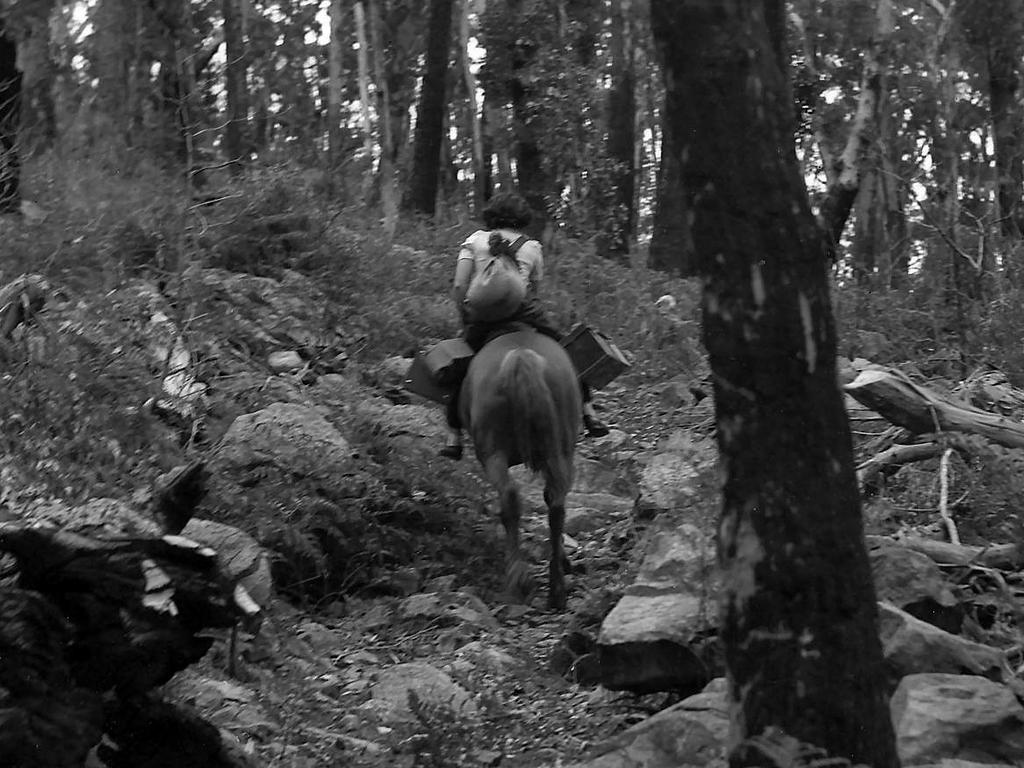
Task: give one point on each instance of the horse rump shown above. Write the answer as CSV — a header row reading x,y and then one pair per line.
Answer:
x,y
521,403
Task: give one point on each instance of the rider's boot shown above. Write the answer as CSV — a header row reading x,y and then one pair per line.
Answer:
x,y
453,447
593,425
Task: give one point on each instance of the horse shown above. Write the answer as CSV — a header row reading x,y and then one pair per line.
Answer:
x,y
520,403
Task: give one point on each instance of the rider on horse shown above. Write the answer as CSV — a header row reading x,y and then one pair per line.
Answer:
x,y
506,214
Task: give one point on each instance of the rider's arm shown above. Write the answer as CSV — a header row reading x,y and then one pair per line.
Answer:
x,y
463,272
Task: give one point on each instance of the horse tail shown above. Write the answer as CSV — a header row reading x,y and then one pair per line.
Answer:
x,y
535,424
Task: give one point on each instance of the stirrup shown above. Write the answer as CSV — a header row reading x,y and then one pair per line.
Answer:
x,y
451,452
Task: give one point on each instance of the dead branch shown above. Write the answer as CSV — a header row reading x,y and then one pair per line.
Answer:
x,y
1006,557
921,410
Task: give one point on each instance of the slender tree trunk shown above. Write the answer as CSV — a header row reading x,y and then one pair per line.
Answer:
x,y
388,193
236,89
1007,117
481,173
849,165
421,194
671,248
364,96
10,104
799,625
113,52
38,111
621,136
334,90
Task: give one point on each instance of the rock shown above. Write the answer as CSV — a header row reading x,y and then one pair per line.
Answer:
x,y
451,606
390,372
675,394
690,733
678,558
228,705
433,689
592,476
613,439
964,717
415,431
284,456
652,639
583,520
285,361
402,581
669,477
493,660
644,644
295,437
239,557
911,646
913,582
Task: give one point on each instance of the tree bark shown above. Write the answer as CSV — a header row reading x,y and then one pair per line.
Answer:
x,y
621,133
849,166
334,90
10,108
386,174
481,161
364,95
235,87
671,248
421,194
38,124
799,617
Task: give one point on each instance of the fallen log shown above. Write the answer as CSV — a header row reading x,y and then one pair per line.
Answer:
x,y
896,456
921,410
1005,557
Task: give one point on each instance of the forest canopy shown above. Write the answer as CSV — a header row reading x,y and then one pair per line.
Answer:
x,y
908,119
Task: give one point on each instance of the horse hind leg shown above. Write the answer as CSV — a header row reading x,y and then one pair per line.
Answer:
x,y
558,479
519,584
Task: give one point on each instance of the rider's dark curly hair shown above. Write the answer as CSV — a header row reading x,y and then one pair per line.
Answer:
x,y
507,210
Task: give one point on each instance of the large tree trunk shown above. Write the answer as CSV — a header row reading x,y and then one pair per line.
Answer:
x,y
671,248
799,621
10,102
421,194
235,88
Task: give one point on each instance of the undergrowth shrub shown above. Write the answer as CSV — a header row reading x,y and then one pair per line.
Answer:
x,y
66,423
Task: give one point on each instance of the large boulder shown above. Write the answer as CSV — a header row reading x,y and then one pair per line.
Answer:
x,y
653,639
913,582
965,717
283,457
911,646
672,475
402,691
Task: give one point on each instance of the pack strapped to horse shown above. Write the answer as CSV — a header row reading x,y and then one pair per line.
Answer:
x,y
435,372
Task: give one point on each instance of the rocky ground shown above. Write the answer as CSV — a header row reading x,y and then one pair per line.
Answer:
x,y
388,642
